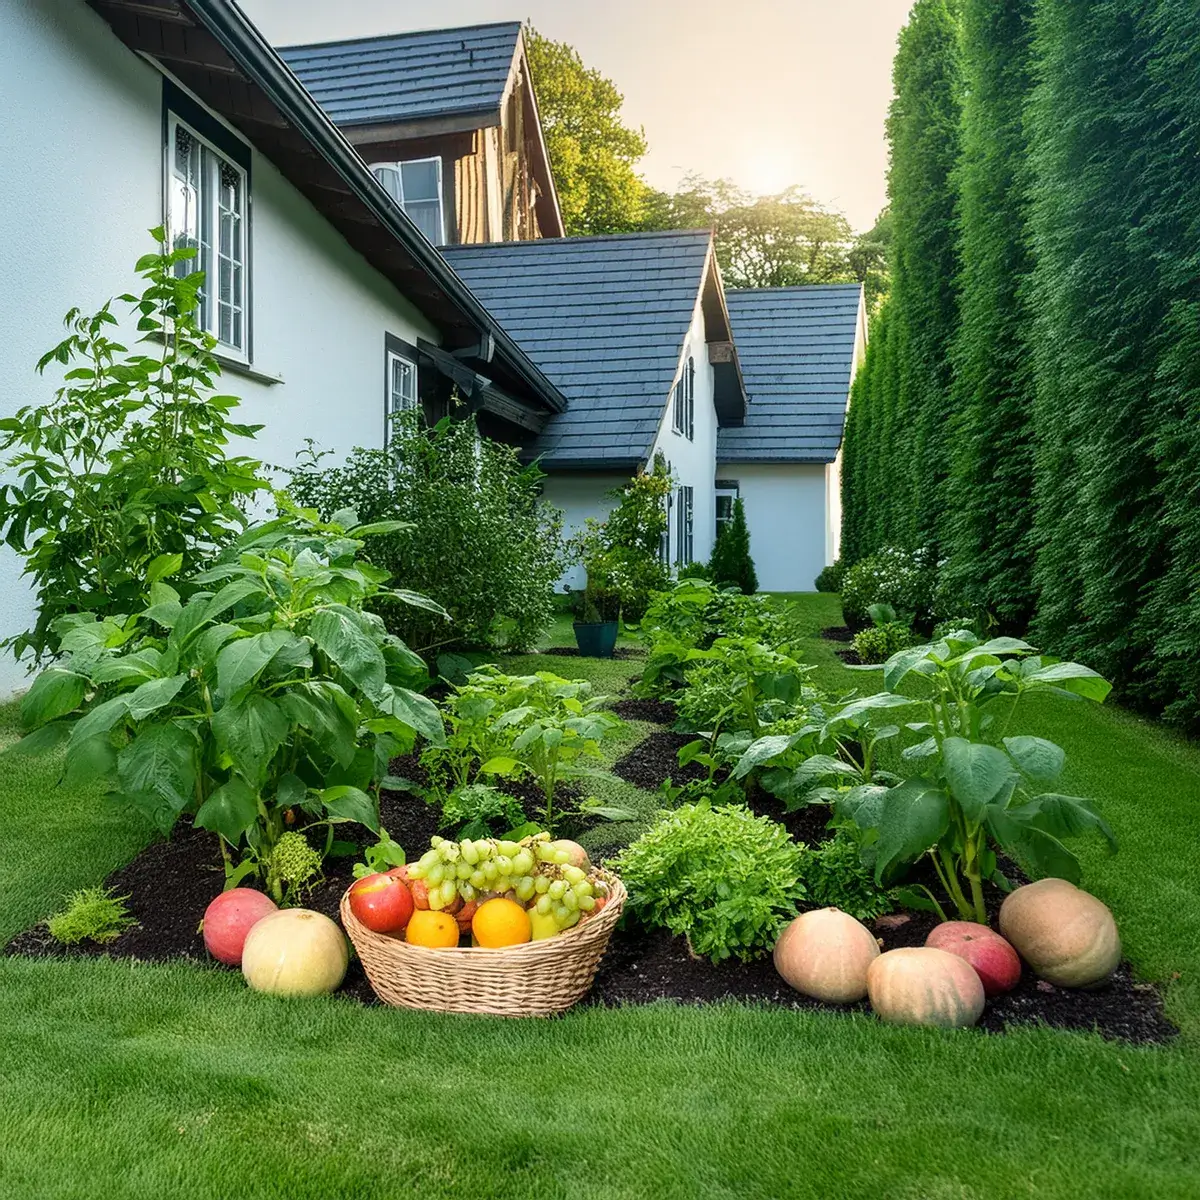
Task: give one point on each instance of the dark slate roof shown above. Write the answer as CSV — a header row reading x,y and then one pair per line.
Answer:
x,y
408,76
605,318
796,347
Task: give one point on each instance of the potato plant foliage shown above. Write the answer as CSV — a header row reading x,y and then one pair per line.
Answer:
x,y
266,698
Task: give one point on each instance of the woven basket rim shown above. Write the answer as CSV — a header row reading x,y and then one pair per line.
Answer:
x,y
560,943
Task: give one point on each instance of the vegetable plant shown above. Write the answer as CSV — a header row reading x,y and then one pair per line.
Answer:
x,y
128,463
981,789
267,700
887,635
720,877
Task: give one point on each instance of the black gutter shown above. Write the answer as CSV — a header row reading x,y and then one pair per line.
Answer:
x,y
247,47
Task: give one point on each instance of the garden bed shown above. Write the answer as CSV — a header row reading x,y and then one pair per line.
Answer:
x,y
656,759
838,633
657,712
620,652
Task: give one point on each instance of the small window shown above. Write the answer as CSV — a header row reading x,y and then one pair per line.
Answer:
x,y
683,526
417,187
727,494
207,209
683,403
400,380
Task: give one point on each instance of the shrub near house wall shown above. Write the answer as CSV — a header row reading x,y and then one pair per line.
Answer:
x,y
482,544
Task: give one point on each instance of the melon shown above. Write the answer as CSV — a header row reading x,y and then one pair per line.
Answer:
x,y
229,918
825,954
295,952
922,985
1066,935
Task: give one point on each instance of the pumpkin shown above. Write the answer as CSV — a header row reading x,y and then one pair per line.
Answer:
x,y
922,985
1066,935
295,952
825,954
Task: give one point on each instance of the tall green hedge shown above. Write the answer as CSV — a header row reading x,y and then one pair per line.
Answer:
x,y
1030,404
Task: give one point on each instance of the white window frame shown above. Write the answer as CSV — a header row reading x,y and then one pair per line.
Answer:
x,y
685,526
683,402
209,258
394,357
398,166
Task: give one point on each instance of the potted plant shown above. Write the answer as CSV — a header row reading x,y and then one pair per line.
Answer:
x,y
597,612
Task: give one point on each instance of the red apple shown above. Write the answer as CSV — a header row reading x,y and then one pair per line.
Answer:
x,y
229,918
996,963
382,903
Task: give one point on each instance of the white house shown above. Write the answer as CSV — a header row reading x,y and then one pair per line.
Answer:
x,y
332,309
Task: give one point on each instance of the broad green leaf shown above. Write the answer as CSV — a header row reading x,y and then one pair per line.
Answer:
x,y
416,600
1064,816
1039,852
500,765
351,804
328,714
924,749
976,774
1072,677
232,594
41,741
419,713
164,612
913,818
899,665
92,760
292,791
242,661
193,617
159,765
153,695
869,703
762,751
1038,758
100,719
54,694
162,566
338,632
378,527
251,730
229,811
1006,645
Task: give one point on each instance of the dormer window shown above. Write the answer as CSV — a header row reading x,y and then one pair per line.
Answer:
x,y
683,402
417,187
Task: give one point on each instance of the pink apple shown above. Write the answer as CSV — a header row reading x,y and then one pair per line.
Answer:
x,y
229,918
995,961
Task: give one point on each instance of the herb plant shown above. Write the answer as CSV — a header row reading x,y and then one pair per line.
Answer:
x,y
887,635
266,698
836,877
480,811
91,915
980,788
128,465
720,877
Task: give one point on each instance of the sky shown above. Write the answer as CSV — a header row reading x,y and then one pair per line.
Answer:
x,y
767,92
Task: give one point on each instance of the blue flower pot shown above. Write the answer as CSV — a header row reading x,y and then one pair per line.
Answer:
x,y
598,640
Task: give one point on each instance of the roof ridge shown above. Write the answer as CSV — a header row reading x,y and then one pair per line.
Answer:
x,y
792,287
588,237
398,33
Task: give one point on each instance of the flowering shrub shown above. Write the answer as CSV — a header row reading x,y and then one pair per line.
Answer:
x,y
902,578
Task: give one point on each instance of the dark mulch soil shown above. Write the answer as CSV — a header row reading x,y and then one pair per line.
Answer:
x,y
171,883
622,652
656,759
660,712
838,633
850,658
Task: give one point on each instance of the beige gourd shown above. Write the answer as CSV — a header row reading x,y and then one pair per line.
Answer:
x,y
924,986
825,954
295,952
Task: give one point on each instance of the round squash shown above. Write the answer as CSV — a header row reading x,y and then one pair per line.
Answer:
x,y
1066,935
925,986
825,954
295,952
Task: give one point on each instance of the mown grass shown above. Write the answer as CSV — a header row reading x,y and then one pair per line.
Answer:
x,y
138,1081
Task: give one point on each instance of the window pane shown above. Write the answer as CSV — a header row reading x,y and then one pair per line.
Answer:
x,y
420,180
402,384
390,178
428,219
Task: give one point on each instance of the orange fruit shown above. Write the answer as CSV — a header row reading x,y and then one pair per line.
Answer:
x,y
438,930
499,923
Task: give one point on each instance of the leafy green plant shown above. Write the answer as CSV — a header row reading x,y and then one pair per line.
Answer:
x,y
380,857
480,811
92,915
127,467
980,788
478,538
267,697
731,564
696,613
904,579
720,877
829,579
835,877
885,637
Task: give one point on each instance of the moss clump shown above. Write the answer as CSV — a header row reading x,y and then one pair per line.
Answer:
x,y
91,915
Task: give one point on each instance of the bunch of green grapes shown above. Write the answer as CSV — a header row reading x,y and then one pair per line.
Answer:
x,y
531,871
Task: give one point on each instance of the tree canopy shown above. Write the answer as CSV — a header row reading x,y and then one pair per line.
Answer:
x,y
593,153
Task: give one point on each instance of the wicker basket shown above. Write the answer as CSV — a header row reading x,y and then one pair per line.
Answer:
x,y
536,979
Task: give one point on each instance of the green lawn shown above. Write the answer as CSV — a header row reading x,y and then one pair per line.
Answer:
x,y
133,1081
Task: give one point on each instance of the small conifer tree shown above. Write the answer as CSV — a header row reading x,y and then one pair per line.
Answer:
x,y
731,564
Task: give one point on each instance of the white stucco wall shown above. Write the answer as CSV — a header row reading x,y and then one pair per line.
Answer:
x,y
81,183
787,516
580,496
692,461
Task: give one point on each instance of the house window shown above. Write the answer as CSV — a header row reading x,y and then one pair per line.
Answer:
x,y
417,187
400,380
683,402
683,526
726,494
207,208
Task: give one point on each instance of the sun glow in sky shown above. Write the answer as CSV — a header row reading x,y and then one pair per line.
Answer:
x,y
768,92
